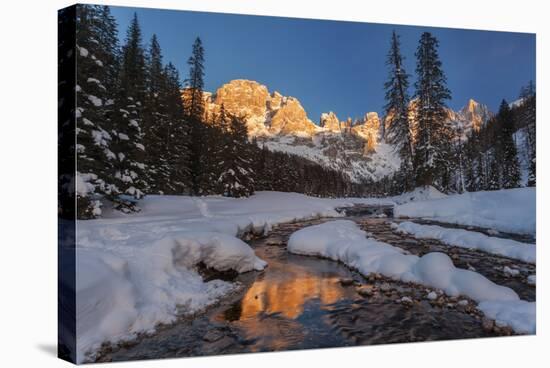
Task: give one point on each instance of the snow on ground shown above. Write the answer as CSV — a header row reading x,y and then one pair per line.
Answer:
x,y
508,210
418,194
470,239
343,241
138,270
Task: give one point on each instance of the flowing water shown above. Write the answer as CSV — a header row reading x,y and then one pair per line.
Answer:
x,y
301,302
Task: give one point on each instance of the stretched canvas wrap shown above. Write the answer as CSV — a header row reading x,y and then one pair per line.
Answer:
x,y
235,184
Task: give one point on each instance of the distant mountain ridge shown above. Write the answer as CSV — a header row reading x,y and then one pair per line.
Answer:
x,y
354,147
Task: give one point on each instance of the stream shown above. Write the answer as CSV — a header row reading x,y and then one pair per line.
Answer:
x,y
301,302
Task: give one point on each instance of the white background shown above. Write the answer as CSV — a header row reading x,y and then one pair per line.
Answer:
x,y
28,144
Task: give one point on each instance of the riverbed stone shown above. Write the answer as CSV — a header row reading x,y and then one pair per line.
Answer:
x,y
346,282
487,324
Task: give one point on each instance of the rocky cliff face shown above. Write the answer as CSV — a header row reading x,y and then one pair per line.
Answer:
x,y
475,115
291,119
369,130
329,121
265,114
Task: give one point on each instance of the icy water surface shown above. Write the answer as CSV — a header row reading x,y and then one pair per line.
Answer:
x,y
301,302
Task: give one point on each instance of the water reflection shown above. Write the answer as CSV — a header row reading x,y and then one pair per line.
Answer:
x,y
284,307
288,297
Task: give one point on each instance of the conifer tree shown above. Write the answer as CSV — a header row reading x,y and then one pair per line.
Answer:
x,y
432,150
529,116
176,134
128,134
511,176
194,110
155,121
397,110
236,178
96,74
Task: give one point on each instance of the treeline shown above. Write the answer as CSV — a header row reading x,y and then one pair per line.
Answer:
x,y
431,151
490,155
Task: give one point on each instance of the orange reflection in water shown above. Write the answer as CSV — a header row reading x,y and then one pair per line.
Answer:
x,y
269,312
288,296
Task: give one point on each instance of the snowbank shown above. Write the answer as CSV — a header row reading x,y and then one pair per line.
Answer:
x,y
135,271
343,241
419,194
126,291
519,314
471,239
509,210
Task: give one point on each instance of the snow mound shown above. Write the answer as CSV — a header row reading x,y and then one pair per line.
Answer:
x,y
343,241
472,240
508,210
419,194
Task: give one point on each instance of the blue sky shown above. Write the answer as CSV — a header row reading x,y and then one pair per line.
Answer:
x,y
334,65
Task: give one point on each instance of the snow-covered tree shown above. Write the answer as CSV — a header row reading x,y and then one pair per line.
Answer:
x,y
128,132
96,47
396,124
433,146
176,134
528,116
194,111
237,175
511,175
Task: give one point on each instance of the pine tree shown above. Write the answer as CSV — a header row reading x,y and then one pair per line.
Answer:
x,y
433,147
397,110
176,134
194,104
156,122
529,116
128,133
511,176
194,110
237,176
471,153
96,40
217,142
495,174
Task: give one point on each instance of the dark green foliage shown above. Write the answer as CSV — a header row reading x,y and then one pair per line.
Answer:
x,y
397,107
96,78
194,111
506,148
236,177
176,135
166,136
128,132
433,147
526,117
